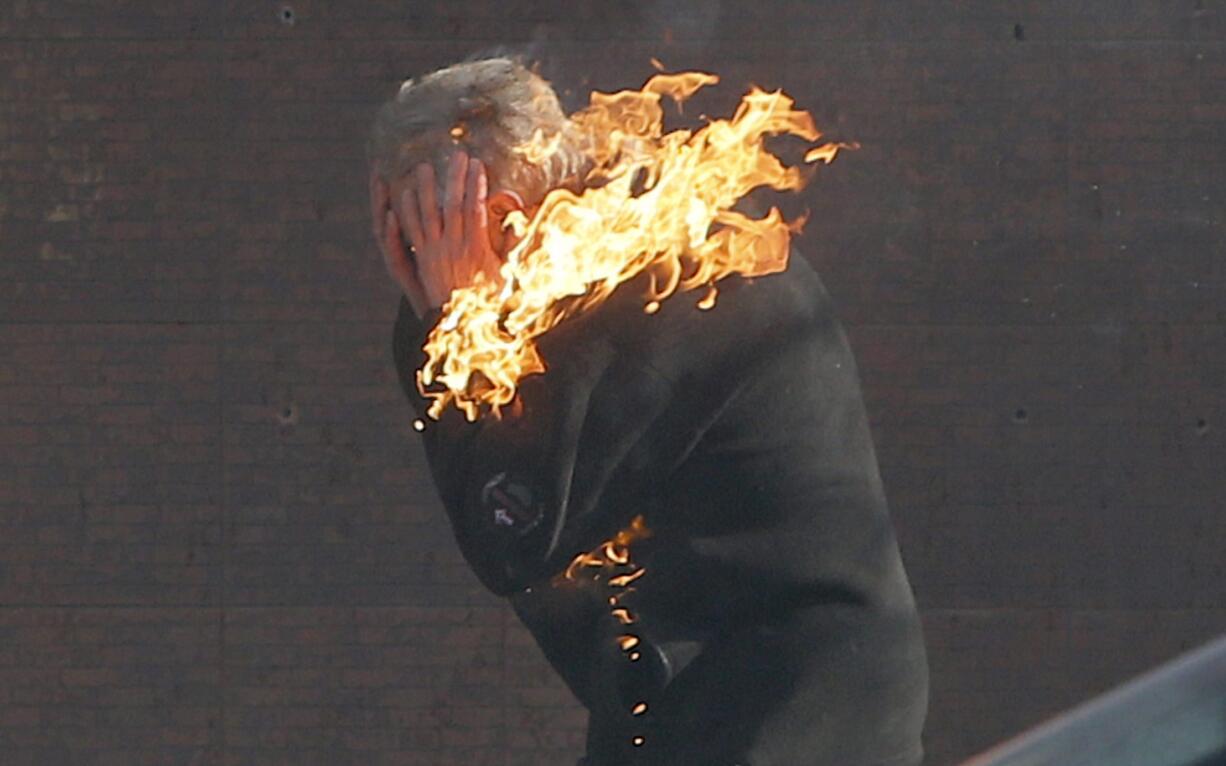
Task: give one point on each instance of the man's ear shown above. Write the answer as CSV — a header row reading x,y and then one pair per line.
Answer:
x,y
499,205
502,202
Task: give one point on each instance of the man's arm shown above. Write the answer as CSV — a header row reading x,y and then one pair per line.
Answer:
x,y
624,399
522,491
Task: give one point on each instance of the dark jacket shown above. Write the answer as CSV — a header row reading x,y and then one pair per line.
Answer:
x,y
776,625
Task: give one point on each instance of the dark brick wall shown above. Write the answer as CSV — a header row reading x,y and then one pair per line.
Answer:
x,y
218,540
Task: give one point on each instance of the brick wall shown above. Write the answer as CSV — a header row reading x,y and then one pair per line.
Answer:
x,y
218,540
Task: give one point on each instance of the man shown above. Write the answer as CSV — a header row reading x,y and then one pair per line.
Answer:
x,y
763,616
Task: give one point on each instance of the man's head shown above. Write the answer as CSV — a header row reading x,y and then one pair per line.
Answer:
x,y
491,109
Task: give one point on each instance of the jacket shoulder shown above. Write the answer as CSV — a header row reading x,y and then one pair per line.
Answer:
x,y
686,344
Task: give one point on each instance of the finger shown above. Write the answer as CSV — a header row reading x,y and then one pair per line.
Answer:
x,y
400,266
453,210
411,284
378,203
426,198
476,219
494,260
392,246
483,193
474,201
477,241
410,218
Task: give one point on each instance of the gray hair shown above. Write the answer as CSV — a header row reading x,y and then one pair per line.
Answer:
x,y
497,110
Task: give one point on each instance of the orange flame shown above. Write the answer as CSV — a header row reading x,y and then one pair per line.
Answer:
x,y
656,201
622,581
612,552
623,615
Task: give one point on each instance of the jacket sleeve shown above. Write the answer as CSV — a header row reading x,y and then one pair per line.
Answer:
x,y
624,399
522,491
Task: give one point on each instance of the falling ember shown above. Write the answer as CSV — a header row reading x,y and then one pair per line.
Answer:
x,y
615,552
639,709
655,201
419,425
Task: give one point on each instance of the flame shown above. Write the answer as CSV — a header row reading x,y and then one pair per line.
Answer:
x,y
615,552
610,554
623,615
654,201
623,580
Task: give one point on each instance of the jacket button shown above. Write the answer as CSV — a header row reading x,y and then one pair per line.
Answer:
x,y
511,504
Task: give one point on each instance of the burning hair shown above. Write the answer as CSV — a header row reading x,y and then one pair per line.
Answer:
x,y
496,109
